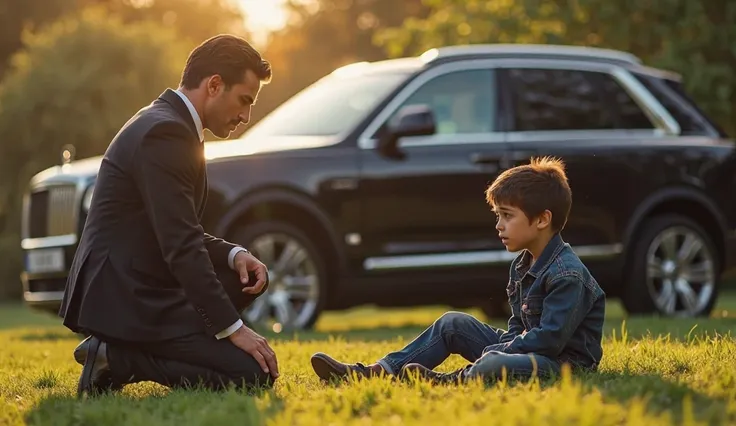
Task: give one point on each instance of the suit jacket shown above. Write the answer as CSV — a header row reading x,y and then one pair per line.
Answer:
x,y
145,269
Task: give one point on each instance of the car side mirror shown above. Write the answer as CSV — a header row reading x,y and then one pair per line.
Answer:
x,y
411,120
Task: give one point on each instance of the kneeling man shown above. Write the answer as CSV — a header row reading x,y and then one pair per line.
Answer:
x,y
160,298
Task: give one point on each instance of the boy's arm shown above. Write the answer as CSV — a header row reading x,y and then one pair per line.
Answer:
x,y
563,310
516,327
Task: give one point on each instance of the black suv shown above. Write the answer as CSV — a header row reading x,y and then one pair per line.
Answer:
x,y
368,186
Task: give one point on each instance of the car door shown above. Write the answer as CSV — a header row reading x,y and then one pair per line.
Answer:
x,y
581,113
427,211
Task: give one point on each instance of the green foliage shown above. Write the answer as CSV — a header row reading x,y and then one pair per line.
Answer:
x,y
695,38
77,82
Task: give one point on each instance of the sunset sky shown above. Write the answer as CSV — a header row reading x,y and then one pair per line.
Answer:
x,y
263,16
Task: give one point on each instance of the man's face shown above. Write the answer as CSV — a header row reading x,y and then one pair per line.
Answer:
x,y
514,228
226,108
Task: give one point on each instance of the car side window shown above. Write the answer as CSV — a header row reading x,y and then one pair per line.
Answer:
x,y
560,99
461,101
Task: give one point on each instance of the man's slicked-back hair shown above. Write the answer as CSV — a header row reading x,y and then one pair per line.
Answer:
x,y
533,188
226,55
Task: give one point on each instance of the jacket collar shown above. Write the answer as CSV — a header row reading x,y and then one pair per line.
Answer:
x,y
550,252
170,97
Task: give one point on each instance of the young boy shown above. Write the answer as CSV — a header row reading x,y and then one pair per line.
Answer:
x,y
557,307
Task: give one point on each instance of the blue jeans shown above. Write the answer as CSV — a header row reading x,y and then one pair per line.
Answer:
x,y
463,334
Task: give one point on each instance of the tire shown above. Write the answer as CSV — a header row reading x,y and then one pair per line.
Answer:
x,y
642,285
256,238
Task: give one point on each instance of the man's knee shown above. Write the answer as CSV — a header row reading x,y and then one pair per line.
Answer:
x,y
247,373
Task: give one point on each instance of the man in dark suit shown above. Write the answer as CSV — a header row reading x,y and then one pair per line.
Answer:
x,y
159,298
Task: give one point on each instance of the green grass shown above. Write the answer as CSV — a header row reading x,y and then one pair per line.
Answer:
x,y
655,371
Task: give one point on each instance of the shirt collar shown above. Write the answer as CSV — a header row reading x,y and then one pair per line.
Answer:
x,y
193,111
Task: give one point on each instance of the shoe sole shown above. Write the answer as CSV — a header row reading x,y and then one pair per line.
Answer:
x,y
85,381
324,370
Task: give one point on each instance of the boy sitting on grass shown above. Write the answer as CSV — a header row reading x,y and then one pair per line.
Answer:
x,y
557,307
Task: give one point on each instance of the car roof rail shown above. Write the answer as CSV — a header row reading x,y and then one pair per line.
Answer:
x,y
541,51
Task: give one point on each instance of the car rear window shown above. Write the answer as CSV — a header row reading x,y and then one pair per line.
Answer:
x,y
672,95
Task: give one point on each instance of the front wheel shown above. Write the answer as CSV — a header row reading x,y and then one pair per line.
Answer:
x,y
297,276
673,269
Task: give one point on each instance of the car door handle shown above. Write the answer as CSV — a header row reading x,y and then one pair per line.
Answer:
x,y
515,158
480,158
489,163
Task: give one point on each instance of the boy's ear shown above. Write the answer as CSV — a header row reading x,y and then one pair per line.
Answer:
x,y
544,220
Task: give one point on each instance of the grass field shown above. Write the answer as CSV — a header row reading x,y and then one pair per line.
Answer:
x,y
654,372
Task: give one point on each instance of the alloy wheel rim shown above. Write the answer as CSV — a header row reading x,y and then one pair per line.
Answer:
x,y
293,291
680,272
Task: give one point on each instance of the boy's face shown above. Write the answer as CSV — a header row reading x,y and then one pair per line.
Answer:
x,y
515,229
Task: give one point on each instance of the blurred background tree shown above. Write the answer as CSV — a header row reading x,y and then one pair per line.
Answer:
x,y
77,79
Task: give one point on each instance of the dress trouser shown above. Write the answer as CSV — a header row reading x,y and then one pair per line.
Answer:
x,y
197,360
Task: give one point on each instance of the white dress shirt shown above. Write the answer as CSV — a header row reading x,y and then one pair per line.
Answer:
x,y
231,257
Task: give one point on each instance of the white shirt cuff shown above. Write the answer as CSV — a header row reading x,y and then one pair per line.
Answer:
x,y
231,256
230,330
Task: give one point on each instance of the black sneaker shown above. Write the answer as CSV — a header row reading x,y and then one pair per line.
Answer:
x,y
328,368
434,377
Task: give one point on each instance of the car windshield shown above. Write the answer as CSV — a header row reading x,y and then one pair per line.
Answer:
x,y
331,106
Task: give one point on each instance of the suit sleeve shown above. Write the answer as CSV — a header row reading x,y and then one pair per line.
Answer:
x,y
219,250
166,166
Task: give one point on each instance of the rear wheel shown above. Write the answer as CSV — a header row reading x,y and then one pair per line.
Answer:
x,y
297,276
673,269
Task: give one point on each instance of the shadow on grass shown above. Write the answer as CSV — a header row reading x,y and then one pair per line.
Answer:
x,y
50,335
141,405
658,396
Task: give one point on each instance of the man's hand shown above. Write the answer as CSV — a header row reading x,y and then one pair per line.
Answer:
x,y
255,345
245,262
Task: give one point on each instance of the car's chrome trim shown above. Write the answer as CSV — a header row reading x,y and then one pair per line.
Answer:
x,y
648,103
48,242
489,257
549,50
43,296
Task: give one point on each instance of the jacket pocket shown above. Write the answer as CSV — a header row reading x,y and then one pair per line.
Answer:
x,y
532,311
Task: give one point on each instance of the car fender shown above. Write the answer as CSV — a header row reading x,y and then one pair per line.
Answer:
x,y
667,194
286,196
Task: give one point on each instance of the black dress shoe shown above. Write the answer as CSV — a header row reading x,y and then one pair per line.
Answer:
x,y
96,377
328,368
80,352
434,377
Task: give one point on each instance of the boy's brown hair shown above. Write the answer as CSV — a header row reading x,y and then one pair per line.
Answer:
x,y
533,188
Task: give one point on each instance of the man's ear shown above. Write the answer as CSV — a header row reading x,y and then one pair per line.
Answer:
x,y
214,84
544,220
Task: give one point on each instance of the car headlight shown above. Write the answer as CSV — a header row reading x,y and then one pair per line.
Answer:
x,y
87,200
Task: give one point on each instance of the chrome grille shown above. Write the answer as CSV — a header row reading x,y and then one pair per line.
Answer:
x,y
53,211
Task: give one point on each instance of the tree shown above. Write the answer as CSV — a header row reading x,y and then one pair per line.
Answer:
x,y
193,20
692,37
77,82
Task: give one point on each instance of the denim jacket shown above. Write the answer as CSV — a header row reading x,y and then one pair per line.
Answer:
x,y
557,308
